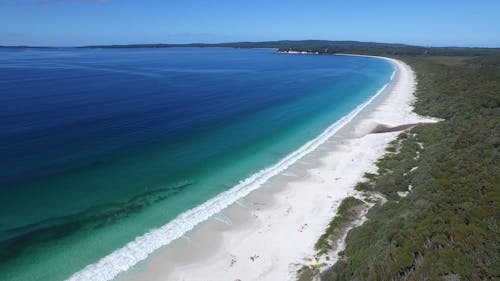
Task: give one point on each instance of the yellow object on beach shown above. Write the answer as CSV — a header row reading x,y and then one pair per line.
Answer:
x,y
314,261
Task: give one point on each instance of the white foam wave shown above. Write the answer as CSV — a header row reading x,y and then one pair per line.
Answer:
x,y
137,250
392,75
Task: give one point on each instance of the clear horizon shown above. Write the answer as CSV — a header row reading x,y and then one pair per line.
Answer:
x,y
66,23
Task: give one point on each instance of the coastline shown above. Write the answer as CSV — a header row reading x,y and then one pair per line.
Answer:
x,y
271,232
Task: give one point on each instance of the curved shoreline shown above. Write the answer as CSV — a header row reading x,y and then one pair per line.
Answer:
x,y
241,218
273,223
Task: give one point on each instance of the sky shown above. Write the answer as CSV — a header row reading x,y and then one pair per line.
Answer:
x,y
92,22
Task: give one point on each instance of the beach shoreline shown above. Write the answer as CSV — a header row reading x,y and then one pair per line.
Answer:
x,y
270,233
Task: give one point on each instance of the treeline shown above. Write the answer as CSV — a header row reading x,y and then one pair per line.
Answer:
x,y
330,47
282,45
447,227
323,47
380,49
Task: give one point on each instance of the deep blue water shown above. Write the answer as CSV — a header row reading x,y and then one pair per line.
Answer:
x,y
97,146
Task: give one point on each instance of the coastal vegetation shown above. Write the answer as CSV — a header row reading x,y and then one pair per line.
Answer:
x,y
441,182
331,47
348,210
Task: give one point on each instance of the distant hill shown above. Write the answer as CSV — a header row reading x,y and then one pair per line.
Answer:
x,y
263,44
322,46
326,46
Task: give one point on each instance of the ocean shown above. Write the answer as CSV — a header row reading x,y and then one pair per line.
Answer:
x,y
113,153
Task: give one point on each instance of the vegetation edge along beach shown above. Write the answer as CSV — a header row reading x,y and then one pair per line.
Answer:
x,y
439,219
387,111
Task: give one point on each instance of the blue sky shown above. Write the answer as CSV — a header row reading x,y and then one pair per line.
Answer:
x,y
86,22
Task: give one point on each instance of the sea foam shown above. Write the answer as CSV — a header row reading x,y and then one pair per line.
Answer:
x,y
137,250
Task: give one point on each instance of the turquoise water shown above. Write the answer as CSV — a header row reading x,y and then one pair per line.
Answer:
x,y
100,146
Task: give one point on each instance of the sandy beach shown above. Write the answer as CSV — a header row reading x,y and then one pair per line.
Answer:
x,y
268,234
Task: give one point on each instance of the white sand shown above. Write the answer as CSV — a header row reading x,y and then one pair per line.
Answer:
x,y
281,221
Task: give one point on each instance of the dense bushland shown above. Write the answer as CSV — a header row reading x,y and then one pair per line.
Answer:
x,y
447,227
